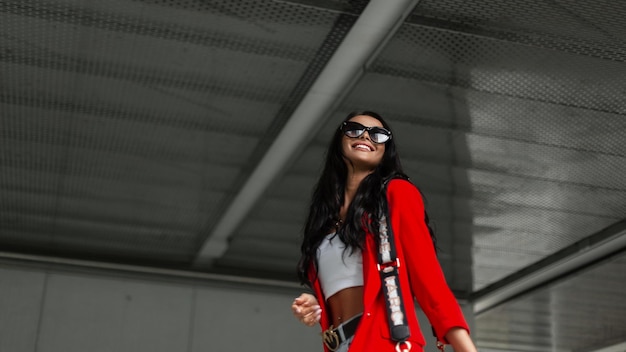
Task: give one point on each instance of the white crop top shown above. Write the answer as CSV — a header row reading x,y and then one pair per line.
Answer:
x,y
338,271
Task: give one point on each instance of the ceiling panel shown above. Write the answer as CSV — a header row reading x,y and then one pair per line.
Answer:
x,y
132,123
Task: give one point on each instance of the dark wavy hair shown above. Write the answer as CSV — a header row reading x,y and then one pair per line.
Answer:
x,y
328,196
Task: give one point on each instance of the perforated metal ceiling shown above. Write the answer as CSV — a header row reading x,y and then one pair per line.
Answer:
x,y
128,127
134,122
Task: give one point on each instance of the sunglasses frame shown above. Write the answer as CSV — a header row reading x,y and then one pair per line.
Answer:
x,y
376,129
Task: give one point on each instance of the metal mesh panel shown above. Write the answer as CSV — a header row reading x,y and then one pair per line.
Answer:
x,y
554,125
126,124
585,28
503,68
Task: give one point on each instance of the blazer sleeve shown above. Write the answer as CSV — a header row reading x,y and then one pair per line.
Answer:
x,y
428,284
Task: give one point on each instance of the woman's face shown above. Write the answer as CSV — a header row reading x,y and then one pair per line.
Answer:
x,y
361,152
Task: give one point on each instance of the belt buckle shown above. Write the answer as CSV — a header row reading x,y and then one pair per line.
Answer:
x,y
331,339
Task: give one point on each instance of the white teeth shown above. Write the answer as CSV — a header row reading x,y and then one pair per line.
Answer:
x,y
363,146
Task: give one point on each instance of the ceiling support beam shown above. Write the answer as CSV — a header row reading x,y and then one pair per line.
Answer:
x,y
563,263
376,25
52,264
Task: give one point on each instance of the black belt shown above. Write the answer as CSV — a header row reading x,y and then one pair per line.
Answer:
x,y
333,337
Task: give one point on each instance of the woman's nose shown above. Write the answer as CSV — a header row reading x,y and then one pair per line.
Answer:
x,y
368,135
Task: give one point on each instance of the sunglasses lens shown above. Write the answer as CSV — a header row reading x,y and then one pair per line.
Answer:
x,y
354,133
379,136
355,130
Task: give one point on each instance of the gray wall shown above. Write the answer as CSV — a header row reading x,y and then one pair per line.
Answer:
x,y
43,310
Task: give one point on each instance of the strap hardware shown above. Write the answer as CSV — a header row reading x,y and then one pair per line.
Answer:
x,y
387,267
400,349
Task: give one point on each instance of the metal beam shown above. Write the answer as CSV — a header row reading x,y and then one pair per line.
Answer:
x,y
61,264
563,263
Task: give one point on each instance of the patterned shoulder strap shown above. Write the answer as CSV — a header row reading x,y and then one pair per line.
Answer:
x,y
388,268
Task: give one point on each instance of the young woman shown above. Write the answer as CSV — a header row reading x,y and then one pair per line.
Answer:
x,y
341,246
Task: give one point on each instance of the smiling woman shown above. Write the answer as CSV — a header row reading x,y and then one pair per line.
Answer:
x,y
363,203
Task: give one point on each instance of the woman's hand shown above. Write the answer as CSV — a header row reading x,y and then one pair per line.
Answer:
x,y
306,309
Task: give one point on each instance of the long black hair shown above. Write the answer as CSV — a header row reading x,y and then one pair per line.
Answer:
x,y
328,196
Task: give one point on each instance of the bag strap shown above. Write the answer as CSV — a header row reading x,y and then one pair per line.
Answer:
x,y
388,266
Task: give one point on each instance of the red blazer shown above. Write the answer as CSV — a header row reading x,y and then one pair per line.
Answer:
x,y
420,275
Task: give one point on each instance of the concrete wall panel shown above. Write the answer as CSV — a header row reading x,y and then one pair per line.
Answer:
x,y
229,320
105,314
21,293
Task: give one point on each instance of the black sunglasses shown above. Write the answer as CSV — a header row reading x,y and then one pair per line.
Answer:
x,y
353,129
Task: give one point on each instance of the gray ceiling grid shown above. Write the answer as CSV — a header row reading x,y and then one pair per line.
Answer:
x,y
127,128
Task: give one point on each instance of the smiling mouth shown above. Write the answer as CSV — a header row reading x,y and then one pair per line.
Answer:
x,y
364,147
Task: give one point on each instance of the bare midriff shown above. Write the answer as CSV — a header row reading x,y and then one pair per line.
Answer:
x,y
345,304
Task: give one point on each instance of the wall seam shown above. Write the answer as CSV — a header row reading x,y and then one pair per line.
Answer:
x,y
42,304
